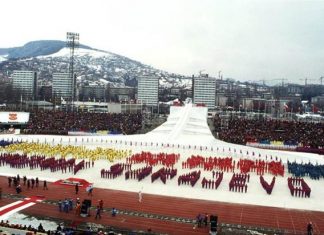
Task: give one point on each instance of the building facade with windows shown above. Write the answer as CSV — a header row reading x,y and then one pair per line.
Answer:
x,y
148,90
93,92
62,86
26,82
204,91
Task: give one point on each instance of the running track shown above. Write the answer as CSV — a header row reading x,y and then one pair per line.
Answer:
x,y
292,221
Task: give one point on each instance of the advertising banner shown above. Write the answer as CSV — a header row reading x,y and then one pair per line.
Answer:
x,y
14,117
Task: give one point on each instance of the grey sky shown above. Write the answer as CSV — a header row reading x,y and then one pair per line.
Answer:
x,y
246,40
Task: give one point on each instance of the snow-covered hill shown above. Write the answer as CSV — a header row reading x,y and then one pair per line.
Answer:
x,y
2,58
90,64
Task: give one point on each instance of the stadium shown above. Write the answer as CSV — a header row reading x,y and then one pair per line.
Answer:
x,y
164,181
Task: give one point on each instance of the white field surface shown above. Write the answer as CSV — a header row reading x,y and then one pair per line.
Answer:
x,y
185,126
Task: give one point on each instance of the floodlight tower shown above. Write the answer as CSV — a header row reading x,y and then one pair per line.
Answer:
x,y
72,42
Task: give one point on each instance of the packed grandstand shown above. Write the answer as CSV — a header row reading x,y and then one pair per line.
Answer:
x,y
307,136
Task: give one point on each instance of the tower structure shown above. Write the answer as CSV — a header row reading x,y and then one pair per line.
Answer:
x,y
72,42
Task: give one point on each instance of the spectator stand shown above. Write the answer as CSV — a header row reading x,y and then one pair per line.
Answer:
x,y
271,133
57,122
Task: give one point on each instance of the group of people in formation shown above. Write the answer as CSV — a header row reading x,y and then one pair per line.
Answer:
x,y
46,156
153,159
298,187
77,152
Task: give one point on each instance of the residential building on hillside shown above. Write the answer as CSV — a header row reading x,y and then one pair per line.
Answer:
x,y
121,94
148,90
204,90
93,92
26,82
62,86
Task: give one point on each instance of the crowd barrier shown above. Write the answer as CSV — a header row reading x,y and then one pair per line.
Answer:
x,y
280,145
310,150
277,145
93,133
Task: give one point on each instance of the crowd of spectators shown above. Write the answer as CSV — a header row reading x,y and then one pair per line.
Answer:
x,y
241,131
61,122
29,228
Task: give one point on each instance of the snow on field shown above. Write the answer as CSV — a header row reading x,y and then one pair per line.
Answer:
x,y
186,126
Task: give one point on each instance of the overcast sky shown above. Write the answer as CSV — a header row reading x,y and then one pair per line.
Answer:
x,y
246,40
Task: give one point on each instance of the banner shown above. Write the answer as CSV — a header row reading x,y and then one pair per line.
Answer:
x,y
14,117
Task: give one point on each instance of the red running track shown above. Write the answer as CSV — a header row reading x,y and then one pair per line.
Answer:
x,y
294,221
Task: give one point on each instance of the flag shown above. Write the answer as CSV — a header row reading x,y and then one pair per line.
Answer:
x,y
314,108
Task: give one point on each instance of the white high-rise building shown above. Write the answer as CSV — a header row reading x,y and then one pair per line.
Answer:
x,y
26,82
148,90
62,86
204,90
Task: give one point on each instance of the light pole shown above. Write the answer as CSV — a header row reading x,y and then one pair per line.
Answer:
x,y
72,42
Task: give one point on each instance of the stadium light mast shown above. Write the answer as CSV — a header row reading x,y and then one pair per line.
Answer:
x,y
72,42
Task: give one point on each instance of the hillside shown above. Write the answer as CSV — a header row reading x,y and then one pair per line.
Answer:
x,y
48,57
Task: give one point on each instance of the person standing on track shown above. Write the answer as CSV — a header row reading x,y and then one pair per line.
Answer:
x,y
45,185
76,188
310,228
140,197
